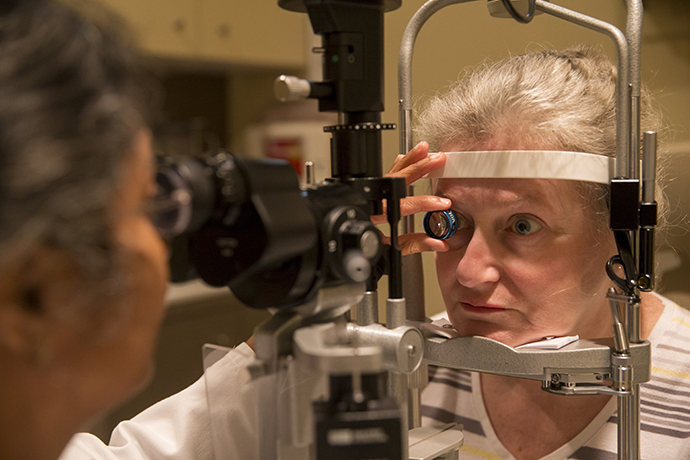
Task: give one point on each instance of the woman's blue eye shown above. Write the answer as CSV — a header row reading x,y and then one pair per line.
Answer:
x,y
525,226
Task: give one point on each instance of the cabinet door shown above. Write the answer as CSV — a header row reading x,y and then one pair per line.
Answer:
x,y
252,32
163,27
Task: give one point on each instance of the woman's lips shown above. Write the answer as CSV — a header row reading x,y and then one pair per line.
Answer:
x,y
481,308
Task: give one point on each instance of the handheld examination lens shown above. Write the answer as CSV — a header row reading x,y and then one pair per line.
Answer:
x,y
440,225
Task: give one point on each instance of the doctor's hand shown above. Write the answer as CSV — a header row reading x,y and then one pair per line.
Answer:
x,y
415,165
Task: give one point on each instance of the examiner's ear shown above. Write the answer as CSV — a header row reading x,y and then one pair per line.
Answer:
x,y
36,288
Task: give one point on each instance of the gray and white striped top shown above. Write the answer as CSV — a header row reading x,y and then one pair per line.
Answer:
x,y
455,396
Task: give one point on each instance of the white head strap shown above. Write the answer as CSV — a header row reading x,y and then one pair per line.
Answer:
x,y
527,164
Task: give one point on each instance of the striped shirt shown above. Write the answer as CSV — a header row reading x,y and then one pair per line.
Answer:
x,y
455,396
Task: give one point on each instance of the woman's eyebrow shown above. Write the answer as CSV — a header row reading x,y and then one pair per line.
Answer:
x,y
532,198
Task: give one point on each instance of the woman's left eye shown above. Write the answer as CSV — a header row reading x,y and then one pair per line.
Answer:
x,y
525,226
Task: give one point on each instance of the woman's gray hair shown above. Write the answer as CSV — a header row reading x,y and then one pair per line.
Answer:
x,y
72,99
557,100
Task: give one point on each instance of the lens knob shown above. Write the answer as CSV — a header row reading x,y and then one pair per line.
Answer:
x,y
288,88
356,266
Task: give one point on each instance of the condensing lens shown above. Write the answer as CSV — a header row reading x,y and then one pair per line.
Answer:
x,y
440,224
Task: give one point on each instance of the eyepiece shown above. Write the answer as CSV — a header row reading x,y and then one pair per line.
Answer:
x,y
185,199
440,225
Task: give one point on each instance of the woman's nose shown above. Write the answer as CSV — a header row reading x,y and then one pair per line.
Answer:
x,y
479,265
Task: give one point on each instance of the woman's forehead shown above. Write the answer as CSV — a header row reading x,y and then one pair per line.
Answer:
x,y
555,194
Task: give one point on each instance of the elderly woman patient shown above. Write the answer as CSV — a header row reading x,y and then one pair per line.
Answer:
x,y
528,261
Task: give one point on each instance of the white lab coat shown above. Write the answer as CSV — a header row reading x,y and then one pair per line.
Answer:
x,y
179,427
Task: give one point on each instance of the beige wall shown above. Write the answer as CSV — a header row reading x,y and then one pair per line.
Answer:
x,y
464,35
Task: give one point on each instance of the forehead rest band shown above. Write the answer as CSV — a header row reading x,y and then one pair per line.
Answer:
x,y
527,164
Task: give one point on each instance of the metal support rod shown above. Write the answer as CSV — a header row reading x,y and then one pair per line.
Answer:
x,y
632,320
405,66
368,309
395,253
397,388
623,441
632,414
414,415
648,214
648,175
633,33
620,336
634,133
412,274
416,382
622,371
405,125
413,287
397,382
631,419
623,160
395,313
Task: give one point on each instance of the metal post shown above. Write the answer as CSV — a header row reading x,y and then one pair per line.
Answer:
x,y
623,114
397,382
368,309
632,410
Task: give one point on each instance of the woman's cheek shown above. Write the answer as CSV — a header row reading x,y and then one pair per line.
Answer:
x,y
446,264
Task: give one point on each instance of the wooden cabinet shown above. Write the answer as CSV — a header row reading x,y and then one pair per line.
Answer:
x,y
256,33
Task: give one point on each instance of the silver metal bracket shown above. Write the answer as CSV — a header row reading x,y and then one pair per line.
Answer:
x,y
582,367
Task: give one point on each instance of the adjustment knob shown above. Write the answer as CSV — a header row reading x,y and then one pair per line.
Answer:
x,y
362,237
360,246
353,244
288,88
356,266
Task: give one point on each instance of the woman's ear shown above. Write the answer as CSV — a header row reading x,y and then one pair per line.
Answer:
x,y
37,289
